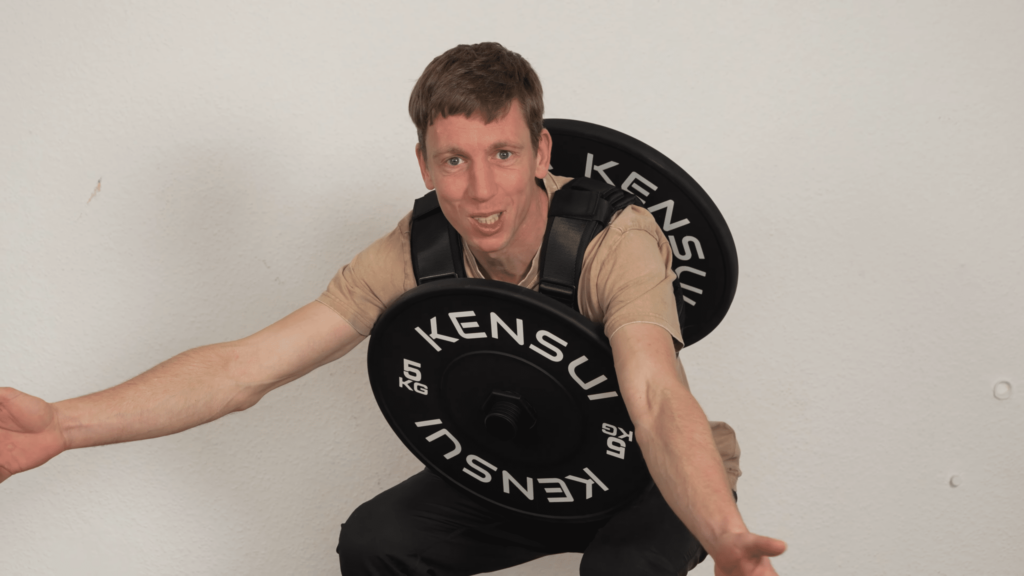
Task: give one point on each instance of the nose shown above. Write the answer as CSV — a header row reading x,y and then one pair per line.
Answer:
x,y
482,184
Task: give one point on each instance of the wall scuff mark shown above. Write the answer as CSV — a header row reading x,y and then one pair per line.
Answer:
x,y
95,190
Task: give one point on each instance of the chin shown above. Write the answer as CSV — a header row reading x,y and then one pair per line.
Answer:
x,y
491,244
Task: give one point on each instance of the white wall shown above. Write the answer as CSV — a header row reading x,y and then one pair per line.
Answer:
x,y
173,174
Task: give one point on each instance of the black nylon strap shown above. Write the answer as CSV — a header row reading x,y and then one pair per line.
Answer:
x,y
560,269
579,210
435,245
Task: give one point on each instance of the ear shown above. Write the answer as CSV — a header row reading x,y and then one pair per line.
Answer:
x,y
543,154
424,173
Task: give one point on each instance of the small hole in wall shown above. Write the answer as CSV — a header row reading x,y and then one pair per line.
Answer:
x,y
1002,390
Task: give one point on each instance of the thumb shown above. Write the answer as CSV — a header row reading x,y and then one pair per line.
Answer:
x,y
764,546
23,412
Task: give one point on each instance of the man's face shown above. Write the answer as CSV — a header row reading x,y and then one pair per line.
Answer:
x,y
484,176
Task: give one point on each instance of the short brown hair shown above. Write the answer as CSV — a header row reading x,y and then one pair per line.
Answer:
x,y
482,78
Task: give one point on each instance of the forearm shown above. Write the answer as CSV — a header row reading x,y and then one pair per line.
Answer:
x,y
676,441
190,389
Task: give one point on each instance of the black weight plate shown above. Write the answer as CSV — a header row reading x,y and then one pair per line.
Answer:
x,y
441,357
704,255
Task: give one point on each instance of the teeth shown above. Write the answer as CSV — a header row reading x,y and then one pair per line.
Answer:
x,y
489,220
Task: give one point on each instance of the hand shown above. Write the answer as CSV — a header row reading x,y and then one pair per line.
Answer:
x,y
746,554
29,432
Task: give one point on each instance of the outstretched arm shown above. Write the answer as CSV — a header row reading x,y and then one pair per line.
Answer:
x,y
676,441
194,387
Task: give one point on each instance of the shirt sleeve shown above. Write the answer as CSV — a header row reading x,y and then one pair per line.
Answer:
x,y
375,278
627,276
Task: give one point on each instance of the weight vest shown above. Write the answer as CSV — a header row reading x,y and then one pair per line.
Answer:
x,y
577,213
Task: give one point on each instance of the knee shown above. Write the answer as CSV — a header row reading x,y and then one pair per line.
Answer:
x,y
370,544
358,546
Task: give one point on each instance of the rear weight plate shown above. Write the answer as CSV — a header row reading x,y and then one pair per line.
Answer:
x,y
510,396
704,255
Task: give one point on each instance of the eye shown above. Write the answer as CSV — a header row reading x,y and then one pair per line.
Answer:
x,y
504,155
453,161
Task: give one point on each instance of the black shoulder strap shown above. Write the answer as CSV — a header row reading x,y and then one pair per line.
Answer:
x,y
435,245
579,210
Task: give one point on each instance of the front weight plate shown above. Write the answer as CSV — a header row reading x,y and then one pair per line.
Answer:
x,y
508,395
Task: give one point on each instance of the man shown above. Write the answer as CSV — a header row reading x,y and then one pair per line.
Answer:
x,y
478,112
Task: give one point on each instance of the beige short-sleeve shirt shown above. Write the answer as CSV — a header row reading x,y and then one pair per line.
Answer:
x,y
626,278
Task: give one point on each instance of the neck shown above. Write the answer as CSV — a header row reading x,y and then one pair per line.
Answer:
x,y
512,264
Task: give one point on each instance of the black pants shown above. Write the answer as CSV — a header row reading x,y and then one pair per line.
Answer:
x,y
425,527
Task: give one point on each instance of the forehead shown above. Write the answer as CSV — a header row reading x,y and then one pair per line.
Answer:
x,y
472,132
